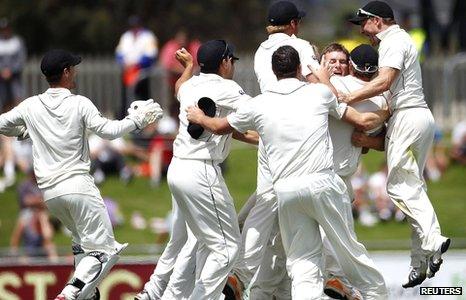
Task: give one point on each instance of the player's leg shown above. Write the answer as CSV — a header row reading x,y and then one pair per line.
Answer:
x,y
159,279
182,279
88,216
207,206
271,279
328,199
302,244
409,136
256,235
244,212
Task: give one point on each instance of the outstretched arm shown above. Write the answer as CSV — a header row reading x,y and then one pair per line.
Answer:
x,y
12,124
215,125
376,86
250,137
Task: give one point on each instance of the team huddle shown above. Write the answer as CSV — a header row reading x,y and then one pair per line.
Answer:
x,y
294,238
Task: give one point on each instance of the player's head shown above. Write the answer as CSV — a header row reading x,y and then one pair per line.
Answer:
x,y
284,16
364,62
374,17
337,56
58,66
285,62
216,56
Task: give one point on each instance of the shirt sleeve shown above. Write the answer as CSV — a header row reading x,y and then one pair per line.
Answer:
x,y
12,123
335,108
103,127
243,119
391,56
308,57
232,96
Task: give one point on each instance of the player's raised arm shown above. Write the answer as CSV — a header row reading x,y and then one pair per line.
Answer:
x,y
186,59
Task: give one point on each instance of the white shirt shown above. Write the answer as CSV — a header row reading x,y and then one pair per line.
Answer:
x,y
226,94
263,57
57,122
397,50
345,155
292,121
132,48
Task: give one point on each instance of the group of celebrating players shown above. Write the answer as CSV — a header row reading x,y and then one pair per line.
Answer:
x,y
294,238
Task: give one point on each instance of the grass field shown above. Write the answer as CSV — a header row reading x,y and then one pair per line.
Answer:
x,y
448,197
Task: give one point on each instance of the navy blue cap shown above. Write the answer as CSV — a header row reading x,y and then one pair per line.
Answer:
x,y
54,61
365,58
211,54
373,9
282,12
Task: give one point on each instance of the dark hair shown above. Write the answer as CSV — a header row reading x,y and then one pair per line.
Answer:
x,y
53,79
335,47
285,62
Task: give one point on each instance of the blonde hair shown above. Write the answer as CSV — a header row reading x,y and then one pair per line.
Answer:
x,y
277,28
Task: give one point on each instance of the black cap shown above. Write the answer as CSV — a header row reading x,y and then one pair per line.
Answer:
x,y
365,59
373,9
211,54
54,61
282,12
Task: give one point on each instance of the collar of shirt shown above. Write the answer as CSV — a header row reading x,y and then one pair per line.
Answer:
x,y
387,32
56,91
286,86
280,36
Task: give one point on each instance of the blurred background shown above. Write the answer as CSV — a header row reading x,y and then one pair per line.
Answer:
x,y
131,171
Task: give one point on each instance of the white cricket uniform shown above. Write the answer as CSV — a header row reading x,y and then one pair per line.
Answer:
x,y
57,122
346,158
198,187
258,227
292,121
410,133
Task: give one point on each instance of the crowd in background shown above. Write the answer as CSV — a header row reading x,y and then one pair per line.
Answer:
x,y
148,153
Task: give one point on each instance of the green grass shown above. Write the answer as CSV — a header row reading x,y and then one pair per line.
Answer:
x,y
447,196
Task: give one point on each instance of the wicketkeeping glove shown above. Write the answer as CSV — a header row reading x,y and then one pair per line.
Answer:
x,y
143,113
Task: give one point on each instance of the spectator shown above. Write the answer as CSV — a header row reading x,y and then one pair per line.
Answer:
x,y
172,66
361,204
12,59
458,139
114,212
33,229
377,185
136,53
108,157
437,161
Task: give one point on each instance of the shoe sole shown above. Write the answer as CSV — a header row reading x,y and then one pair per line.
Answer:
x,y
431,271
334,293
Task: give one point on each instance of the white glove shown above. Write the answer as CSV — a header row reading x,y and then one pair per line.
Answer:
x,y
143,113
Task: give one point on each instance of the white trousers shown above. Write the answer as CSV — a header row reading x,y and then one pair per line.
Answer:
x,y
202,196
409,137
87,218
176,255
304,204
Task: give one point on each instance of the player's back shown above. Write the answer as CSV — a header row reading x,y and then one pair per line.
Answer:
x,y
263,57
56,127
226,94
292,121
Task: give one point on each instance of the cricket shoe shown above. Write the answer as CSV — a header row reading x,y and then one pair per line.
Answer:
x,y
233,289
435,261
142,295
336,289
416,276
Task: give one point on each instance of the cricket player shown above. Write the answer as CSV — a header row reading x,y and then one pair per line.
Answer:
x,y
57,121
284,19
409,135
195,178
361,65
292,121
